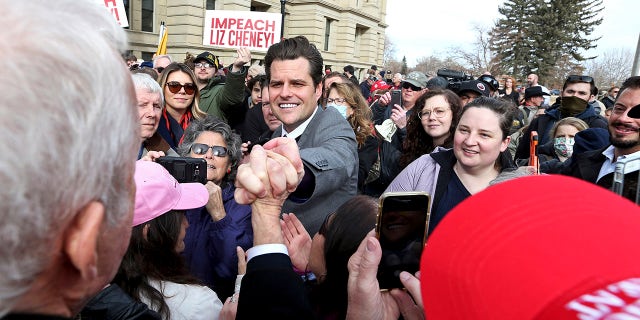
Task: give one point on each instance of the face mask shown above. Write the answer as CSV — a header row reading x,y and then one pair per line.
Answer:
x,y
572,106
341,109
563,146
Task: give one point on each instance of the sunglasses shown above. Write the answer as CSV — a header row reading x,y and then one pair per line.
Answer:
x,y
160,69
203,65
175,86
407,85
575,78
201,149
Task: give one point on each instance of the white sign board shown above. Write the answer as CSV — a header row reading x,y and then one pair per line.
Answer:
x,y
234,29
116,7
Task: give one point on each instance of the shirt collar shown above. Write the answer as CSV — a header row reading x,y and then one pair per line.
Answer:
x,y
300,129
608,152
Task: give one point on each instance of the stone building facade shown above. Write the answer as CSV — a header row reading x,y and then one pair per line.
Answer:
x,y
345,31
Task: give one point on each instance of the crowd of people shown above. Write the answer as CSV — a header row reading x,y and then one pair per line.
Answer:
x,y
296,158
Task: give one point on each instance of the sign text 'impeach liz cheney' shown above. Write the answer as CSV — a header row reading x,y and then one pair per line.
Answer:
x,y
232,29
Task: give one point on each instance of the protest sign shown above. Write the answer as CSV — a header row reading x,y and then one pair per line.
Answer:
x,y
233,29
116,7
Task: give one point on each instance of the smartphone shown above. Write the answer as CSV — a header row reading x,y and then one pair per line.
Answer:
x,y
625,188
533,151
396,98
185,169
401,226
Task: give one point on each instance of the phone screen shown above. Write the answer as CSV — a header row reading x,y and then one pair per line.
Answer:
x,y
396,98
401,227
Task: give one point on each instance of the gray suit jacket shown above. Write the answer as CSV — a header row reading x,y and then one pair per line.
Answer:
x,y
328,148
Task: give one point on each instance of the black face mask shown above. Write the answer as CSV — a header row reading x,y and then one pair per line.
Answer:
x,y
572,106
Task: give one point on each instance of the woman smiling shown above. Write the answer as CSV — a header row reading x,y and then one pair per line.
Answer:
x,y
477,159
181,96
222,224
434,123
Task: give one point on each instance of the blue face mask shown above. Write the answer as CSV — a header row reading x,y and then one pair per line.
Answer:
x,y
341,109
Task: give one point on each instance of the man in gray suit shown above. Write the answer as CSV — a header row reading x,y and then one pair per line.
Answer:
x,y
326,140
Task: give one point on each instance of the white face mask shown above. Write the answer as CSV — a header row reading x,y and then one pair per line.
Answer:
x,y
341,109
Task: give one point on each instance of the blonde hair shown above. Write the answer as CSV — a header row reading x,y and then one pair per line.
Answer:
x,y
569,121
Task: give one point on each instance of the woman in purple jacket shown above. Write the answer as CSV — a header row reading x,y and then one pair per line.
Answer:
x,y
222,224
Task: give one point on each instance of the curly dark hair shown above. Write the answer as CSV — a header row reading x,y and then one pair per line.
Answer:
x,y
418,142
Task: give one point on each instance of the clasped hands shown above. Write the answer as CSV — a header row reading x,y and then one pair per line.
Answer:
x,y
272,172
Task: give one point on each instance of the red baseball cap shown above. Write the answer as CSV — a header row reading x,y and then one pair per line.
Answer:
x,y
538,247
380,85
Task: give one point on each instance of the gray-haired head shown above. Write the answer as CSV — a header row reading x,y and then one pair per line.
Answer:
x,y
162,57
77,134
214,124
143,81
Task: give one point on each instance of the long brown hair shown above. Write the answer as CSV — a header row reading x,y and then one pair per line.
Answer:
x,y
360,120
513,84
418,142
176,66
153,256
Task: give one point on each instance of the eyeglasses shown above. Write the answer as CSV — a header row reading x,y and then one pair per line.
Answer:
x,y
619,110
175,86
338,101
437,112
325,224
201,149
576,78
159,69
407,85
203,65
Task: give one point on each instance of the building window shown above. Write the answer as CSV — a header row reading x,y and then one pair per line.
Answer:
x,y
259,6
357,41
211,5
327,34
147,15
147,56
127,10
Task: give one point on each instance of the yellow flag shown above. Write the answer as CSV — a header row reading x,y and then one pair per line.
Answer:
x,y
162,42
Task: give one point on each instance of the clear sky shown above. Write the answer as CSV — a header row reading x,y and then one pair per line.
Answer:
x,y
421,28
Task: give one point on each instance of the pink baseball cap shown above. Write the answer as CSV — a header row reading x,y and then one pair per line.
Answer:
x,y
538,247
158,192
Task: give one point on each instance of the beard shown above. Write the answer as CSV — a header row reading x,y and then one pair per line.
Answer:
x,y
623,144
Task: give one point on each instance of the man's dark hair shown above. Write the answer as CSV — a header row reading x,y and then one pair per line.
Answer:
x,y
131,57
349,69
294,48
257,79
570,80
631,82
